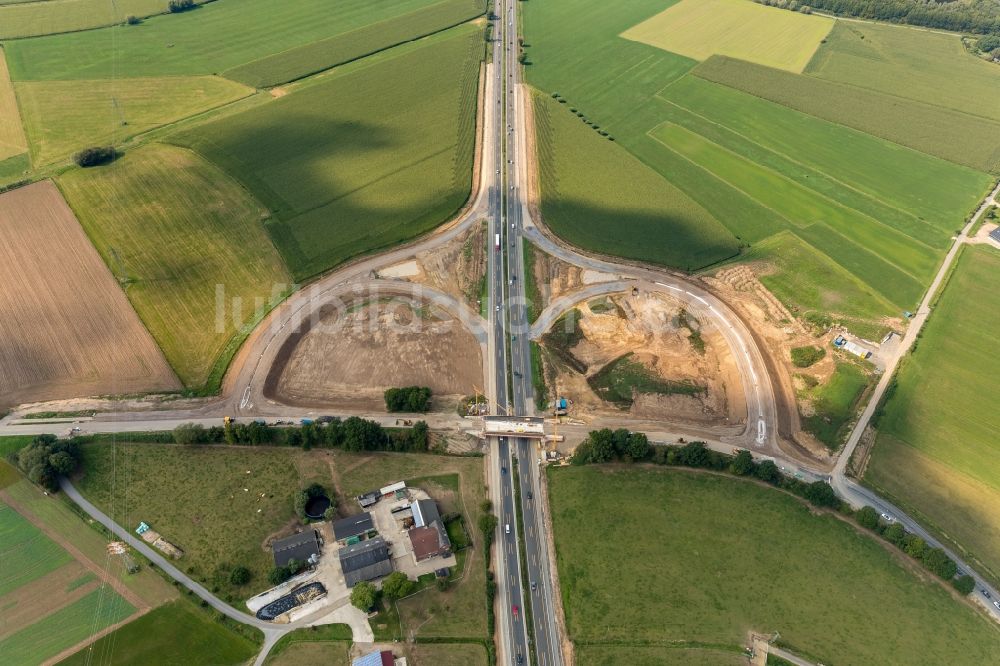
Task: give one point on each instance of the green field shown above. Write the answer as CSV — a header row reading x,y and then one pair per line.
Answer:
x,y
672,560
26,552
360,160
110,111
924,65
44,17
701,28
64,628
217,37
325,53
811,285
958,137
835,403
603,199
154,638
936,451
633,655
750,166
12,139
176,230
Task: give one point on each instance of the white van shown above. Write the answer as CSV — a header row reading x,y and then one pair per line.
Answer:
x,y
506,528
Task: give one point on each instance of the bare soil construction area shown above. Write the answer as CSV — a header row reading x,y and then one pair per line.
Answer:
x,y
456,268
778,331
681,371
351,355
66,327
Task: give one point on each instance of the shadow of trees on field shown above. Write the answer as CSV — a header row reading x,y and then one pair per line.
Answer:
x,y
667,238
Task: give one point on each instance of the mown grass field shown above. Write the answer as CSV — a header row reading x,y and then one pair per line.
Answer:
x,y
702,28
109,111
21,19
359,160
682,565
603,199
962,138
12,139
811,285
753,167
65,628
924,65
175,229
937,447
325,53
190,43
174,634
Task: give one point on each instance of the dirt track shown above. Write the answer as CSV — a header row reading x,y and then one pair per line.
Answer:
x,y
352,355
66,328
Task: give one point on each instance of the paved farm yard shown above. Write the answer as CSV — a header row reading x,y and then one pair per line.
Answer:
x,y
671,557
66,327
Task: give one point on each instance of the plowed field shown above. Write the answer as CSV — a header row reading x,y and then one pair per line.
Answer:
x,y
66,328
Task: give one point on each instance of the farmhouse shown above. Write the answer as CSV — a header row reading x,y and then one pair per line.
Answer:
x,y
352,526
367,560
428,537
301,547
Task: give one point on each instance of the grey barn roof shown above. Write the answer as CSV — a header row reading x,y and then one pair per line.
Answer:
x,y
425,512
995,234
366,560
345,528
299,547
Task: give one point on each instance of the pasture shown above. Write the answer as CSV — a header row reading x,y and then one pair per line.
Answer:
x,y
153,638
67,327
189,43
359,160
107,112
936,451
177,231
634,655
599,197
27,553
961,138
700,574
26,18
12,139
924,65
736,28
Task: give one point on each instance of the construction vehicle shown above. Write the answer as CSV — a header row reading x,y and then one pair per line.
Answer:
x,y
227,420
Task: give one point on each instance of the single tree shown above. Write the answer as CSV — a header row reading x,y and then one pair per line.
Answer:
x,y
742,463
239,576
396,586
867,517
363,596
964,584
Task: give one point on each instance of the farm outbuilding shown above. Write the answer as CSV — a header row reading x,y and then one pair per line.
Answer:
x,y
301,547
352,526
366,560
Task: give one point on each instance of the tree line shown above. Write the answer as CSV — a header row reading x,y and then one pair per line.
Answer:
x,y
351,434
408,399
621,445
977,16
46,458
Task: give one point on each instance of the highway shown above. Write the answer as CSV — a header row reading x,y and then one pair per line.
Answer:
x,y
514,639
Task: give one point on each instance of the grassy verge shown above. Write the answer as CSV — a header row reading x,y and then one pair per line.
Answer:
x,y
834,404
538,378
531,290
